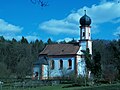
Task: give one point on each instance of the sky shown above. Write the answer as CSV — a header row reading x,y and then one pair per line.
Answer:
x,y
59,20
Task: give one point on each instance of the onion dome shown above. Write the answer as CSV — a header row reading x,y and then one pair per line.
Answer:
x,y
85,20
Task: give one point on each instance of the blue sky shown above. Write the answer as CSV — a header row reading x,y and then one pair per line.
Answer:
x,y
59,20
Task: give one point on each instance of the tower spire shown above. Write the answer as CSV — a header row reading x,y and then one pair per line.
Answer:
x,y
85,32
85,20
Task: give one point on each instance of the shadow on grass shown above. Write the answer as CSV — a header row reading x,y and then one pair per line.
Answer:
x,y
100,87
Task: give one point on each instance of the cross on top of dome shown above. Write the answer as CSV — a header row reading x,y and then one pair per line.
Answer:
x,y
85,20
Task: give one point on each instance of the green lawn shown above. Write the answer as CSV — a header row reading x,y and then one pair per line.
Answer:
x,y
59,87
102,87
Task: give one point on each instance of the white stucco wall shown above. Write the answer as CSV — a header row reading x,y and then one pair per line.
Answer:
x,y
88,34
82,47
57,72
36,68
45,71
90,46
81,66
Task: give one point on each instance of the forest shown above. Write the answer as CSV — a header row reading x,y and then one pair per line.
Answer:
x,y
17,57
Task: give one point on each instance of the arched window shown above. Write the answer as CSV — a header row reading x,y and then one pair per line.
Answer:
x,y
69,64
83,34
36,74
89,34
61,64
52,64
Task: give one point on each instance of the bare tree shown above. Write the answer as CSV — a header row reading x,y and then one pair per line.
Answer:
x,y
63,72
110,73
42,3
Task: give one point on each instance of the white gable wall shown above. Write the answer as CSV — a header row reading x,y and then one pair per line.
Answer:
x,y
57,72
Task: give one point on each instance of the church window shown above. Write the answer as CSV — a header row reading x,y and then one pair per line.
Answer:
x,y
69,64
61,64
52,64
36,74
82,56
83,34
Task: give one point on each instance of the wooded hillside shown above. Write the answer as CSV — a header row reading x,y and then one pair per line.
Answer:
x,y
17,57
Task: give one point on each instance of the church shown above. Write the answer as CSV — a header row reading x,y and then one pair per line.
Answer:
x,y
58,60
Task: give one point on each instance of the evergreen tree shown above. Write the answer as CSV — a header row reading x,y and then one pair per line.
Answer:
x,y
2,39
49,41
72,41
4,72
97,65
62,42
42,45
24,40
88,62
14,40
88,59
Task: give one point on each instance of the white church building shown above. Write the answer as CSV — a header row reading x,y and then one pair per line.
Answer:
x,y
58,60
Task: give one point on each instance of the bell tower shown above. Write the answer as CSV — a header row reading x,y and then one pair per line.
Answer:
x,y
85,33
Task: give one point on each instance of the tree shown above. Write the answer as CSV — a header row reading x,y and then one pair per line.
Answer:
x,y
42,45
62,42
88,62
4,72
72,41
114,48
24,40
13,55
14,40
49,41
2,39
63,73
24,66
97,65
88,59
110,73
42,3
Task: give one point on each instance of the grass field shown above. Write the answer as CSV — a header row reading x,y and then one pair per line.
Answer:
x,y
60,87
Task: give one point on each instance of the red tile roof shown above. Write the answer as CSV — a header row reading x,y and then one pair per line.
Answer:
x,y
60,49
